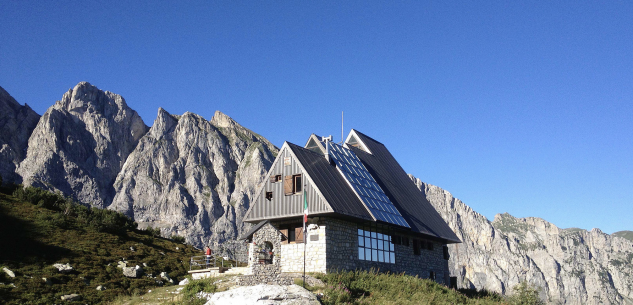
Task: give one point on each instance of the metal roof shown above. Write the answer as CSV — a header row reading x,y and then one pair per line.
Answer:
x,y
363,183
414,207
330,183
256,227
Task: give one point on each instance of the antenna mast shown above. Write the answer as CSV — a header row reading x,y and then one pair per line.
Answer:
x,y
342,140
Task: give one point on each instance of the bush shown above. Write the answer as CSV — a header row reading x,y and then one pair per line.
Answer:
x,y
155,232
525,294
178,239
190,291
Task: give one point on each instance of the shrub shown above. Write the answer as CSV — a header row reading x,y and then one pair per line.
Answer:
x,y
155,232
525,294
178,239
190,291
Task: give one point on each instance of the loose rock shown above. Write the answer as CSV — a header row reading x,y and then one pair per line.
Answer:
x,y
64,268
101,288
8,272
133,271
184,282
71,297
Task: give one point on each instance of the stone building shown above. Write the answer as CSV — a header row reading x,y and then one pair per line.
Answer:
x,y
363,212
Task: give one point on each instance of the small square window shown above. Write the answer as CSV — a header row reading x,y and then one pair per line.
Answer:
x,y
269,196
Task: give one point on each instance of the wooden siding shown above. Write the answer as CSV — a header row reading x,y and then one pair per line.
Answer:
x,y
282,205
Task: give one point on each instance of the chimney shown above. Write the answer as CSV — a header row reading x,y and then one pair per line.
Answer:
x,y
327,141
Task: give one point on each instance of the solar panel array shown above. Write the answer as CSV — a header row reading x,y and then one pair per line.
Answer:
x,y
365,186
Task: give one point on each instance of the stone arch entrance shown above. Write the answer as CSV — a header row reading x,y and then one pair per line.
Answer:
x,y
265,257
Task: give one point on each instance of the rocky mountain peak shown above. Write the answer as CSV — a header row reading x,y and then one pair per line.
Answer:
x,y
16,124
81,143
571,266
193,177
222,120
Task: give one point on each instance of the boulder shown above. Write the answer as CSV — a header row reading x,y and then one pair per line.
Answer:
x,y
165,276
71,297
265,294
8,272
64,268
133,271
101,288
184,282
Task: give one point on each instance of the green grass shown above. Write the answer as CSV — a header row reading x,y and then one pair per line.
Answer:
x,y
54,230
370,287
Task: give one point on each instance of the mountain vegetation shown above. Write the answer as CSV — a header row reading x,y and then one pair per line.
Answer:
x,y
93,247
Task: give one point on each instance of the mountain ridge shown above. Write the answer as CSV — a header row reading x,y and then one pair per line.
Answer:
x,y
193,177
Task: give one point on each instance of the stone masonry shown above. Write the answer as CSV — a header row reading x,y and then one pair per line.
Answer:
x,y
342,254
265,273
332,244
315,246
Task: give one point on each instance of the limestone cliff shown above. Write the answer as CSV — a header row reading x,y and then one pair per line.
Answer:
x,y
193,177
571,266
16,124
80,144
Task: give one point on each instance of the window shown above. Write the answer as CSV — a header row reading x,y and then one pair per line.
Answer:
x,y
446,254
429,245
293,184
397,240
298,187
416,247
432,275
376,247
269,196
275,178
405,241
294,233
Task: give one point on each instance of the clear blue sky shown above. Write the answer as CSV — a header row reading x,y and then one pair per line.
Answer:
x,y
513,106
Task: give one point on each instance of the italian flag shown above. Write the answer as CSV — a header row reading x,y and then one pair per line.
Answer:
x,y
305,208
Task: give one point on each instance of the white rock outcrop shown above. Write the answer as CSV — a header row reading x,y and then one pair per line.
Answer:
x,y
571,266
264,294
192,177
80,144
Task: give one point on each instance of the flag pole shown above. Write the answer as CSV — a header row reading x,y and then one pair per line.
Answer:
x,y
305,236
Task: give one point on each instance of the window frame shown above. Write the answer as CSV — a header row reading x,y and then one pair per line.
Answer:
x,y
375,245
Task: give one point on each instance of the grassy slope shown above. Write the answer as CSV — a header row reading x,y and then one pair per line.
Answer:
x,y
624,234
31,242
368,287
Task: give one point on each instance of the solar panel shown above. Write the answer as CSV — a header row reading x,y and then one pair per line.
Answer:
x,y
365,186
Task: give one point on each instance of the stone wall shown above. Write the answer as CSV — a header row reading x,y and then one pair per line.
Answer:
x,y
332,244
292,254
342,254
265,273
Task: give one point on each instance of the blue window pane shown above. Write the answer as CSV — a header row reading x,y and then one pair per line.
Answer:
x,y
374,244
393,257
379,235
361,253
367,254
360,232
381,257
374,255
391,247
380,245
367,242
360,241
373,234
